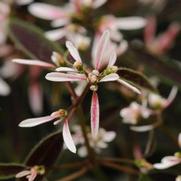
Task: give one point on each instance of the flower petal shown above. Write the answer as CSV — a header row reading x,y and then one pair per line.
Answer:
x,y
112,59
33,63
36,121
129,86
94,114
98,3
68,138
65,69
110,77
167,162
60,22
46,11
171,96
56,34
63,77
131,23
142,128
4,88
35,97
73,51
23,2
101,49
23,173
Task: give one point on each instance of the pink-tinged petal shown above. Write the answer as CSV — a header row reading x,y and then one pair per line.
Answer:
x,y
22,173
68,137
171,96
122,47
101,49
36,121
4,88
64,77
165,40
35,97
167,162
109,136
98,3
32,176
131,23
150,30
73,51
33,63
179,140
65,69
129,86
112,59
56,34
94,114
110,77
46,11
60,22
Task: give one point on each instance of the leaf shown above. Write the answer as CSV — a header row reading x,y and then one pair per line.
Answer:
x,y
135,78
9,170
31,40
167,70
46,151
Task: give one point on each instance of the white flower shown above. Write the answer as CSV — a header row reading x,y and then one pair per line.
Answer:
x,y
97,143
134,112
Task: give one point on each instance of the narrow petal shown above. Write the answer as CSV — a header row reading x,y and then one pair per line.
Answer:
x,y
63,77
23,173
167,162
68,138
33,63
179,140
23,2
35,121
131,23
56,34
149,31
101,49
142,128
171,96
112,59
46,11
129,86
110,77
94,114
65,69
98,3
35,97
73,51
60,22
4,88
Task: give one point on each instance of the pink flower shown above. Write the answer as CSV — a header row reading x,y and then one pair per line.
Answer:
x,y
163,42
31,173
115,24
104,70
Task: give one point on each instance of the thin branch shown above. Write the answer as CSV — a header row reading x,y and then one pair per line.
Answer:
x,y
75,175
119,167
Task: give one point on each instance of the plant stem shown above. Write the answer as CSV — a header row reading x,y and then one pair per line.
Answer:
x,y
75,175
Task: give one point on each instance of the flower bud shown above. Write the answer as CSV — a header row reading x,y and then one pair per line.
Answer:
x,y
93,87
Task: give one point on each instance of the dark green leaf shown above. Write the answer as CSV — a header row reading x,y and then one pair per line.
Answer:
x,y
9,170
31,40
46,151
135,78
